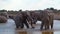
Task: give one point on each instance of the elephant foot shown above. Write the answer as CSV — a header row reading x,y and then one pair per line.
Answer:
x,y
45,28
41,29
33,27
16,28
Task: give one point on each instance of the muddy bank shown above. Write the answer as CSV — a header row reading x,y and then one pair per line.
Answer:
x,y
56,16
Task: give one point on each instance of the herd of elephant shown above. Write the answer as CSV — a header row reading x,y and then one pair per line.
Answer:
x,y
32,17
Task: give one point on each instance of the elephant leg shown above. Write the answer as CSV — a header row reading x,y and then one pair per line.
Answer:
x,y
17,25
51,21
32,25
51,25
22,25
42,26
47,26
25,22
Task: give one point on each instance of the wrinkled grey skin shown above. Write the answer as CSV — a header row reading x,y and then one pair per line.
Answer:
x,y
43,16
47,20
20,20
34,17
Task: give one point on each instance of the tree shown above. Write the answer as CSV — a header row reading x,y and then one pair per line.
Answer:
x,y
20,10
51,8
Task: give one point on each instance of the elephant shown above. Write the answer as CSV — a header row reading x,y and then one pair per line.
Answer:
x,y
44,16
47,20
20,20
34,16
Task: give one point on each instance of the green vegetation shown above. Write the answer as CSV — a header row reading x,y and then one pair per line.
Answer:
x,y
15,12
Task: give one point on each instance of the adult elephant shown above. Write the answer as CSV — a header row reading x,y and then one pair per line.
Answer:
x,y
20,20
43,16
34,16
47,20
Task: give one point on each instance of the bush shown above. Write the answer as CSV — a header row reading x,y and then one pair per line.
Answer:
x,y
3,19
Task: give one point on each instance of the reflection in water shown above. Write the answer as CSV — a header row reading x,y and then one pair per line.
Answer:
x,y
48,32
35,32
28,32
21,32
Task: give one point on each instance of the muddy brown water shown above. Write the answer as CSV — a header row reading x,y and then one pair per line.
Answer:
x,y
9,28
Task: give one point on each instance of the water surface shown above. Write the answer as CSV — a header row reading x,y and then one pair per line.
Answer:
x,y
9,28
